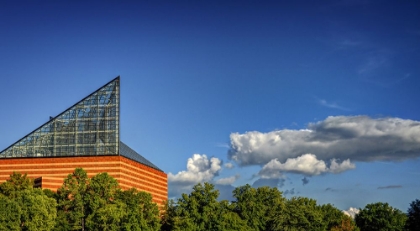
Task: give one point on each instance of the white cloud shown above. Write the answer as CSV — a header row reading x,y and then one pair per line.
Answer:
x,y
306,164
356,138
229,165
227,180
344,166
351,212
199,169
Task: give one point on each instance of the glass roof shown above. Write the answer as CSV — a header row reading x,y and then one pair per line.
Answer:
x,y
88,128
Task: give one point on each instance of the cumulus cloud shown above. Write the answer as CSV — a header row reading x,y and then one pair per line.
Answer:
x,y
344,166
307,164
355,138
227,180
351,212
199,169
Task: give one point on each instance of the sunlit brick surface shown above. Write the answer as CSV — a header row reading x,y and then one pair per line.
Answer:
x,y
53,170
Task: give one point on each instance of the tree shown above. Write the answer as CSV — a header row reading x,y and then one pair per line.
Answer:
x,y
99,204
258,207
103,211
169,217
10,214
107,217
380,216
15,184
72,201
38,210
197,210
346,224
21,203
200,210
413,213
141,212
301,213
228,219
336,220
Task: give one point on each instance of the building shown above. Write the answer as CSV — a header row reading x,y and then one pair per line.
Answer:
x,y
86,135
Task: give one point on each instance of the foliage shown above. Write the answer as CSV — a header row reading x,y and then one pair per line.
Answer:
x,y
380,216
103,212
99,204
10,214
258,207
346,224
301,213
24,208
336,220
72,201
413,213
15,184
200,210
141,212
229,220
197,210
106,217
38,210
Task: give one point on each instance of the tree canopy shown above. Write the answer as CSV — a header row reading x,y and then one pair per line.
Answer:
x,y
413,213
380,216
98,203
23,207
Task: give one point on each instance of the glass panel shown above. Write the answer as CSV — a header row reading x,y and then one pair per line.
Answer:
x,y
91,127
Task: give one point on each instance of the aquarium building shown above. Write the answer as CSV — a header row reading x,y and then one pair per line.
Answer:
x,y
86,135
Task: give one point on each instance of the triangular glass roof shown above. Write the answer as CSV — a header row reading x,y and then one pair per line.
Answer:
x,y
91,127
88,128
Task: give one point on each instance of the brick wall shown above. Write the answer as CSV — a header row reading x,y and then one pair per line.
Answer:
x,y
53,170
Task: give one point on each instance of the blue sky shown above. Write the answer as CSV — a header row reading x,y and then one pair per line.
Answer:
x,y
319,99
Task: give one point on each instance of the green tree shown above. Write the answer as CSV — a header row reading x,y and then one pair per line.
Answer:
x,y
35,210
141,212
413,213
169,217
99,204
200,210
72,201
258,207
197,210
10,214
301,213
228,219
16,183
38,210
336,220
104,212
51,194
380,216
107,217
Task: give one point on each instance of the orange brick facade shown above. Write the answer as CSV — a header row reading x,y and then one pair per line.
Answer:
x,y
53,170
